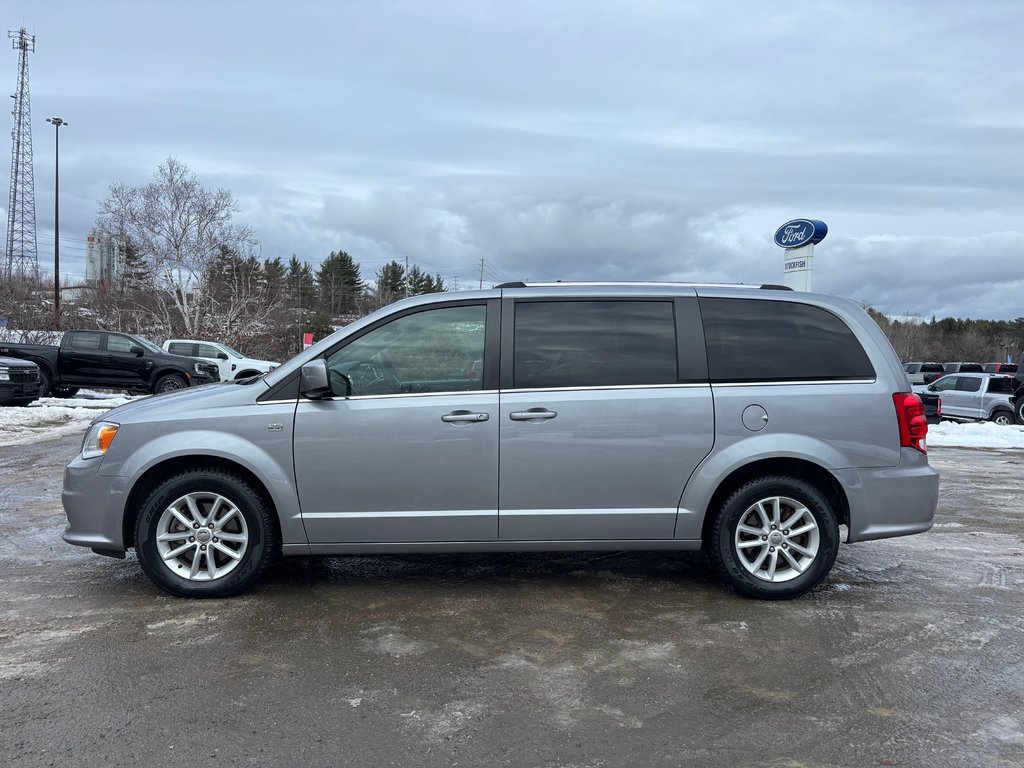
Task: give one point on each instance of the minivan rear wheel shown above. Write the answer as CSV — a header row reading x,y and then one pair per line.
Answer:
x,y
775,537
205,533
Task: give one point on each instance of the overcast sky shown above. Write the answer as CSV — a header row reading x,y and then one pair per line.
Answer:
x,y
637,140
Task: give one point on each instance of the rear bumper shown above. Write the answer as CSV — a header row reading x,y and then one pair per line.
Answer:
x,y
94,505
891,501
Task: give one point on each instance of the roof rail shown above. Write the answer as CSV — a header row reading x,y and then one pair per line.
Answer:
x,y
559,284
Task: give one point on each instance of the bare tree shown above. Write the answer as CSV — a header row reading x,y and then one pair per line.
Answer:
x,y
178,228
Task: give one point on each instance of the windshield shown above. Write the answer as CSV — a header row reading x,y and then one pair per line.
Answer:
x,y
148,345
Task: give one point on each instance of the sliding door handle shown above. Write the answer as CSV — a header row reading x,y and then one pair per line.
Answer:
x,y
534,414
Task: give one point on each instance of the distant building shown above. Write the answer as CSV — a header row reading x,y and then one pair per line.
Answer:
x,y
104,259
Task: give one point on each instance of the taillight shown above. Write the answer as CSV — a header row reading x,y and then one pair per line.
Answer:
x,y
938,407
911,419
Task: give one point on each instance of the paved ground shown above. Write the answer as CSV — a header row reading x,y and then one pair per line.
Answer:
x,y
911,654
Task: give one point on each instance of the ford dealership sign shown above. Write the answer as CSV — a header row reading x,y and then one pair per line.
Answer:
x,y
800,232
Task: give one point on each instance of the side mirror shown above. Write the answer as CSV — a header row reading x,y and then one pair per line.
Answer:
x,y
221,356
931,387
315,380
136,350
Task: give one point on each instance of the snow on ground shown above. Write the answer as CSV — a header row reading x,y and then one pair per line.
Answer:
x,y
51,416
981,434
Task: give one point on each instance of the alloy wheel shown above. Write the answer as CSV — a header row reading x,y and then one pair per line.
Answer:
x,y
777,539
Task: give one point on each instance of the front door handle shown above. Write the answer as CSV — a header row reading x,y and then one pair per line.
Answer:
x,y
534,414
464,417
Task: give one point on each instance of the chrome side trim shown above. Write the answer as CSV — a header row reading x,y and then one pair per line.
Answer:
x,y
698,385
585,512
278,402
826,382
460,393
410,513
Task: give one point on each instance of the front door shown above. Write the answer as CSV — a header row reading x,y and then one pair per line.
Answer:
x,y
600,426
124,367
407,448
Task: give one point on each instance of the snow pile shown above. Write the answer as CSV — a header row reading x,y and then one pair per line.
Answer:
x,y
52,416
981,434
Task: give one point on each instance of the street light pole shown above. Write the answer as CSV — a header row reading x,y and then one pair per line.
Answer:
x,y
57,123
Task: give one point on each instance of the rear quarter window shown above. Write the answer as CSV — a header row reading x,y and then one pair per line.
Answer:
x,y
754,340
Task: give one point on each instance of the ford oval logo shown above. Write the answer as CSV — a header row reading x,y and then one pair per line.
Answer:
x,y
799,232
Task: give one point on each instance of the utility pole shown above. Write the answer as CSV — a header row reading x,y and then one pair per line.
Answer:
x,y
481,274
21,257
57,123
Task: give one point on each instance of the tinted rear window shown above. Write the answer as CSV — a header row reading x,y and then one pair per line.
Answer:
x,y
931,368
594,344
970,368
85,340
751,340
1002,386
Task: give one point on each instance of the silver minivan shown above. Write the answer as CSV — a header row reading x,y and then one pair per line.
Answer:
x,y
756,423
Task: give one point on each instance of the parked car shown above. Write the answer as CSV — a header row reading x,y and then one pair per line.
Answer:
x,y
932,406
231,363
750,422
923,373
109,361
962,368
976,397
1010,368
19,381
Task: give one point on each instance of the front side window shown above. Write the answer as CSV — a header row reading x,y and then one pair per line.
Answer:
x,y
755,340
945,384
594,344
205,350
437,350
119,343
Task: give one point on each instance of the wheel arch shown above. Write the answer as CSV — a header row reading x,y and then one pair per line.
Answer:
x,y
800,469
246,373
156,474
158,373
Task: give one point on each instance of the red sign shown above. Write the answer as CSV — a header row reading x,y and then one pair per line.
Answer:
x,y
307,340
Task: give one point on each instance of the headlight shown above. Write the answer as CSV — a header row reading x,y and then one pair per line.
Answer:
x,y
98,439
5,374
199,369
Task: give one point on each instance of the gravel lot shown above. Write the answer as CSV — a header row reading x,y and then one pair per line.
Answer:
x,y
909,655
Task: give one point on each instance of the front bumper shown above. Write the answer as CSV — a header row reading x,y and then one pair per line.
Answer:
x,y
94,505
17,390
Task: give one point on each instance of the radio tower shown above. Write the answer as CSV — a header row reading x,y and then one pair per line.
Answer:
x,y
21,256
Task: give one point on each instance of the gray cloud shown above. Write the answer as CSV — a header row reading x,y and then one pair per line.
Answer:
x,y
573,140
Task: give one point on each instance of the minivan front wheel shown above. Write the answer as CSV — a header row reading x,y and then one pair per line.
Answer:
x,y
775,537
205,533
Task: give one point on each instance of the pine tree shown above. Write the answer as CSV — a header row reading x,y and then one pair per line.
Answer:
x,y
339,284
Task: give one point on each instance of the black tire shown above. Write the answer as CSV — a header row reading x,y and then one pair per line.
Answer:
x,y
171,382
741,505
261,547
1003,418
45,383
64,391
246,375
1019,413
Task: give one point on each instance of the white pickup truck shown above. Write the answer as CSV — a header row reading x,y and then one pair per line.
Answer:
x,y
975,396
232,364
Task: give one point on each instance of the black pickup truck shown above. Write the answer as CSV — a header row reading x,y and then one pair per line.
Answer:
x,y
110,361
